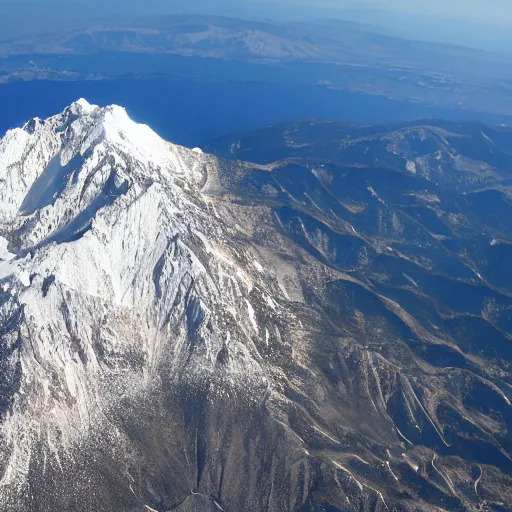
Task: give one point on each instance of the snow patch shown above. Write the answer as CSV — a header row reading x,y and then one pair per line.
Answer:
x,y
270,302
5,255
258,266
24,278
252,316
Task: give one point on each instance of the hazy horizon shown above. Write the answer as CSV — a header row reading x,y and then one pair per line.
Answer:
x,y
475,23
499,11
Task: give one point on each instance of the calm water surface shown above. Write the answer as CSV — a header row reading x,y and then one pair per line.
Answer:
x,y
191,112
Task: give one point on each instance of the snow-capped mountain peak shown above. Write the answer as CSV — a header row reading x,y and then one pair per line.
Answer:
x,y
112,264
82,106
57,168
184,333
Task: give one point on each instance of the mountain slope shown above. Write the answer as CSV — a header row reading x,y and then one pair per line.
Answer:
x,y
180,332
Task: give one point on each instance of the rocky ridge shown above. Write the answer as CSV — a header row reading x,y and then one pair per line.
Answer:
x,y
180,332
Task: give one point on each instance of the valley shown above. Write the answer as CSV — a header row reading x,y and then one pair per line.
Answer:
x,y
324,325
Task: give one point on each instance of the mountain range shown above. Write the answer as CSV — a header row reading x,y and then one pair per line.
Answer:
x,y
313,316
327,53
322,41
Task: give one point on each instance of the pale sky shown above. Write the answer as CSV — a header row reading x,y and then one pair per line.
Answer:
x,y
490,10
496,10
471,8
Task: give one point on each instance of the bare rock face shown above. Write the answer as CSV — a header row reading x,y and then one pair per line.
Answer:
x,y
181,332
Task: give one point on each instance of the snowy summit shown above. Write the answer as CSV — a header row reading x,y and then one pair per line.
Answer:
x,y
112,264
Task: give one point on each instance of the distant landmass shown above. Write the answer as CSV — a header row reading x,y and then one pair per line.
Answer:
x,y
333,54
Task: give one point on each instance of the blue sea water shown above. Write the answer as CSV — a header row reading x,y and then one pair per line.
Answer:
x,y
192,112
